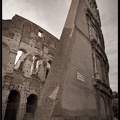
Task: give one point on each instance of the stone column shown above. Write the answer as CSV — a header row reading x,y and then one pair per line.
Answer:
x,y
22,105
11,61
13,51
94,59
5,94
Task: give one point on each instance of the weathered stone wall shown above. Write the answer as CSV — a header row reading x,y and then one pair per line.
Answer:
x,y
28,75
76,88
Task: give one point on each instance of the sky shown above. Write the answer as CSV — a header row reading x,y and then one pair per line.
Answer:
x,y
51,15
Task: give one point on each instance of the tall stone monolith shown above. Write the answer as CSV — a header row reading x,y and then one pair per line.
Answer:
x,y
77,87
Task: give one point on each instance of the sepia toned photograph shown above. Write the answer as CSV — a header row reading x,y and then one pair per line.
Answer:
x,y
59,60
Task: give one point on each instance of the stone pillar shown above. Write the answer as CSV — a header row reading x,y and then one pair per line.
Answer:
x,y
13,51
5,94
27,67
17,37
94,59
11,61
22,106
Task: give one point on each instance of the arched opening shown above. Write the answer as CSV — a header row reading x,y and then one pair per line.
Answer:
x,y
21,54
12,105
35,65
36,62
32,101
48,68
47,71
40,34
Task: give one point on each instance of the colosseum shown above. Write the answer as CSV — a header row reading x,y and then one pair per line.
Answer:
x,y
24,78
47,79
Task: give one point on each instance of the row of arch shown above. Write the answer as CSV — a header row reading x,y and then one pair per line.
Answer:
x,y
13,104
29,63
32,64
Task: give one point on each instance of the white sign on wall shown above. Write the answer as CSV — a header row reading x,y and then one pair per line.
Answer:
x,y
80,77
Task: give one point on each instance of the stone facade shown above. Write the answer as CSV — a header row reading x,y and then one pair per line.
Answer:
x,y
23,80
77,87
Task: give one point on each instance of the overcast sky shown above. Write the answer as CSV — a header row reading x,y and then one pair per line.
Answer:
x,y
51,15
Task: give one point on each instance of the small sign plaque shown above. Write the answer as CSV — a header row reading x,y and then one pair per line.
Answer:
x,y
80,77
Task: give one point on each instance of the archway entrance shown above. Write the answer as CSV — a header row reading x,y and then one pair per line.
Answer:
x,y
31,106
12,105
